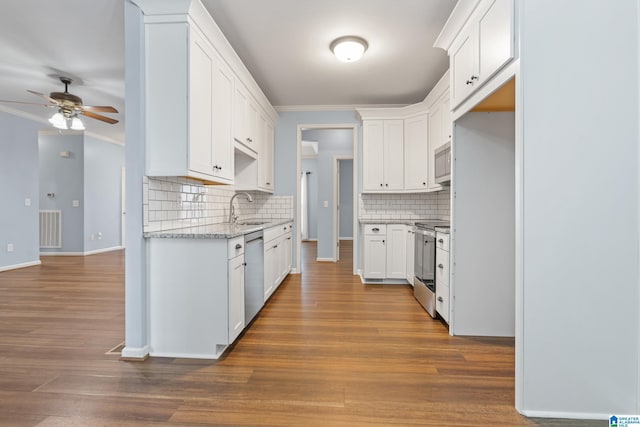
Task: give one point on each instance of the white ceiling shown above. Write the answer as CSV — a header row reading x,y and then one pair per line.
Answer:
x,y
284,44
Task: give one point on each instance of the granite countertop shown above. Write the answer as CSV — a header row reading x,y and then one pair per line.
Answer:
x,y
404,221
217,231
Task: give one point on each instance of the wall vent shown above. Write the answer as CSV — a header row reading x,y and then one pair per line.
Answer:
x,y
50,229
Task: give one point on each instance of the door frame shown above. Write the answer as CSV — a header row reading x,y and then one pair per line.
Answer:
x,y
336,203
354,128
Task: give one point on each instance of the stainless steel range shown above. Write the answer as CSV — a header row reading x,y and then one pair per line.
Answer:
x,y
424,286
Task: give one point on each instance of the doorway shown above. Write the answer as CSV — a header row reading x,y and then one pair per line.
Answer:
x,y
336,142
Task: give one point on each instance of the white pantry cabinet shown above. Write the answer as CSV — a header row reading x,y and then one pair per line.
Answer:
x,y
416,137
481,48
383,155
188,97
196,296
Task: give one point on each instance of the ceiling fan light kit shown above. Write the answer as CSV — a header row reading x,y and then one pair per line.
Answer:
x,y
69,106
349,48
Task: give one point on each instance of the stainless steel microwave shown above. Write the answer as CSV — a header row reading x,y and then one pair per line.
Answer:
x,y
442,164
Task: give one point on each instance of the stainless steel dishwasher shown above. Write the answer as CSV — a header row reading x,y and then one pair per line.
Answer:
x,y
253,275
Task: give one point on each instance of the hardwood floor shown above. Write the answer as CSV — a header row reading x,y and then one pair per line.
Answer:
x,y
325,351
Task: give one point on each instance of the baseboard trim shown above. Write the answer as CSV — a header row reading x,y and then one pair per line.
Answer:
x,y
135,354
309,240
325,260
345,238
566,415
294,271
23,265
97,251
100,251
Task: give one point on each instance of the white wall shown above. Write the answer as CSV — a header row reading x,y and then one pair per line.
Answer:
x,y
346,199
580,324
311,165
483,235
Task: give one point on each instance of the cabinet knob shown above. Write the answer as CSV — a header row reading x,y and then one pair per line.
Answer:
x,y
469,82
440,299
268,183
386,185
244,263
440,266
383,242
441,240
424,183
381,185
238,246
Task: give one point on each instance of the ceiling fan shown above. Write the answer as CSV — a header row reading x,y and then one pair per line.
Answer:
x,y
69,106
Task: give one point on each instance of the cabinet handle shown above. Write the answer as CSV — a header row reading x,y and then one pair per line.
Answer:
x,y
275,246
238,246
469,82
383,242
375,229
441,240
268,183
474,78
386,185
440,299
288,238
440,266
424,183
285,228
381,185
244,263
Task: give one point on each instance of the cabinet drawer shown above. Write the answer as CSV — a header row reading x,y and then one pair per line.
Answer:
x,y
375,229
442,267
277,231
442,241
235,247
442,301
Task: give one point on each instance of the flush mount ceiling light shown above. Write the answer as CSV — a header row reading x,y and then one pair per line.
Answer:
x,y
349,48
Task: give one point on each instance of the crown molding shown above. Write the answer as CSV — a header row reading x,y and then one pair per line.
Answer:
x,y
321,108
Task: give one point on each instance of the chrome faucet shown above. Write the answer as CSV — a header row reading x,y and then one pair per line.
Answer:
x,y
232,212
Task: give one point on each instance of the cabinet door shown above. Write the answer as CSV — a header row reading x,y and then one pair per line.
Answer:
x,y
442,266
270,273
495,37
442,301
265,155
393,154
375,254
253,124
373,155
411,239
416,145
236,297
288,253
201,63
222,121
463,70
396,258
447,128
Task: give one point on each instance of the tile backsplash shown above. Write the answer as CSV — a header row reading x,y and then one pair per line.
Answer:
x,y
170,202
406,206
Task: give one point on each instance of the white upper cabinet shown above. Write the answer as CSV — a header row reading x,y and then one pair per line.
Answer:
x,y
482,47
383,152
265,155
246,127
199,97
416,153
184,136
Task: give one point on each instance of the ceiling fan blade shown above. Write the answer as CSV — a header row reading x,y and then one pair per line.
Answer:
x,y
29,103
103,109
99,117
42,95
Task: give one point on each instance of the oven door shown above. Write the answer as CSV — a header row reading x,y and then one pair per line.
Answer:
x,y
425,255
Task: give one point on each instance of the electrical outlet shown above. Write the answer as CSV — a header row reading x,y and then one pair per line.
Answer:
x,y
27,202
75,203
325,204
9,247
99,235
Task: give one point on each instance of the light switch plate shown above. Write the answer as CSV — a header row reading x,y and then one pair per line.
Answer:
x,y
27,202
75,203
9,247
325,203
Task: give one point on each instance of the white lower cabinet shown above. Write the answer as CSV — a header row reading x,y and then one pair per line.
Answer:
x,y
278,251
443,293
411,239
236,296
385,251
196,296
